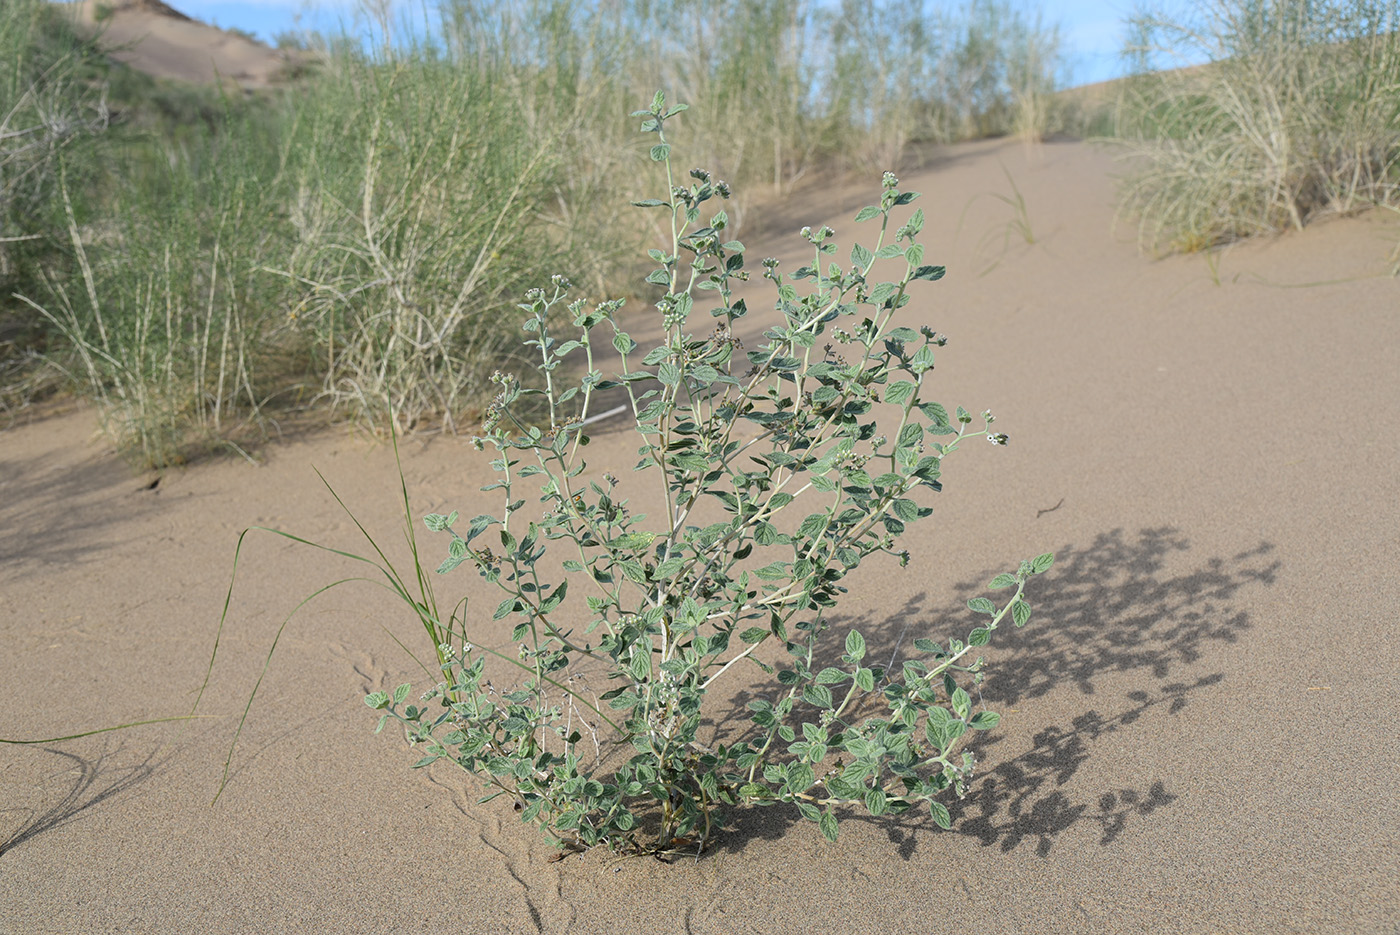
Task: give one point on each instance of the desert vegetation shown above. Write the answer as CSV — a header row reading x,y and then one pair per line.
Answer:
x,y
711,583
205,265
1290,111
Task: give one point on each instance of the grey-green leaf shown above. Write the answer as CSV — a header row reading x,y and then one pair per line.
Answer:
x,y
898,392
818,695
865,678
828,825
961,703
984,720
855,645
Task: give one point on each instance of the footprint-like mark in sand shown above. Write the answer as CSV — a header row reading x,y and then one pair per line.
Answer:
x,y
524,859
373,676
522,856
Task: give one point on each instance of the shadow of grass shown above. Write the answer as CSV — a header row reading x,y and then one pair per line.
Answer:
x,y
94,781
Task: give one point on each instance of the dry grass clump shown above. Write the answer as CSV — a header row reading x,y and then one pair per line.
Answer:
x,y
1295,114
48,112
409,244
776,86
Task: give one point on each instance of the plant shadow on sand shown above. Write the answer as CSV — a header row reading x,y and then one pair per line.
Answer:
x,y
1112,606
94,781
45,506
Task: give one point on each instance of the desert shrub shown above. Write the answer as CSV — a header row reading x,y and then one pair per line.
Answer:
x,y
267,249
996,73
1291,110
132,212
50,113
169,325
45,107
827,421
415,190
782,85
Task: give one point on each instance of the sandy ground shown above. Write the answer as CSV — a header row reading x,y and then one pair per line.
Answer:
x,y
1200,723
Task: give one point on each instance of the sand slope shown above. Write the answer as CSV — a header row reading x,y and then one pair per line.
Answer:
x,y
1199,723
159,40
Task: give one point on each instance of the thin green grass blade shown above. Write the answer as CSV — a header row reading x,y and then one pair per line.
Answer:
x,y
104,730
267,661
426,671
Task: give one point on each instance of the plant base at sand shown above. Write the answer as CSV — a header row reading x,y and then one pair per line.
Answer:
x,y
781,468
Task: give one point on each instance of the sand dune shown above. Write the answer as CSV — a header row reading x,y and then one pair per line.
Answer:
x,y
159,40
1199,723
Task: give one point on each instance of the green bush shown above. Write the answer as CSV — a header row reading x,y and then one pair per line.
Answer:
x,y
828,421
1295,114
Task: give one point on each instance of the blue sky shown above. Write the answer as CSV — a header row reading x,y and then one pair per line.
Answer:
x,y
1093,29
1093,33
